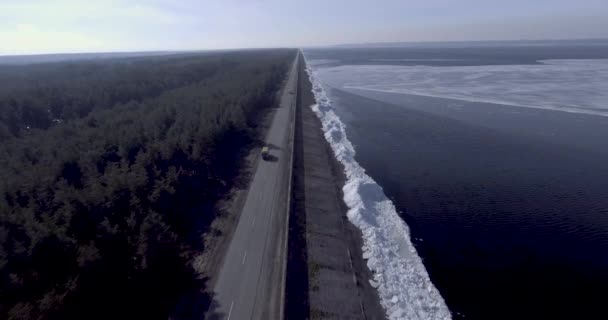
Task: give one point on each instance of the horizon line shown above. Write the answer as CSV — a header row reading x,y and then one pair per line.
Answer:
x,y
354,44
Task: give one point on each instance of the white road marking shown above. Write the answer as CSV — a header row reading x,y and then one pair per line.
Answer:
x,y
230,312
253,222
244,256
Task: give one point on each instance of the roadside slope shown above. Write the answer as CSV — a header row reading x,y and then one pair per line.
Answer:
x,y
327,277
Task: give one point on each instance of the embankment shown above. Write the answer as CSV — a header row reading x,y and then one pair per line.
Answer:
x,y
326,275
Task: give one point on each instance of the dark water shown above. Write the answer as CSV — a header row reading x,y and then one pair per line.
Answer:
x,y
508,206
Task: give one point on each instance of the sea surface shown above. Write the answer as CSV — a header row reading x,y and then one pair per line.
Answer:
x,y
496,157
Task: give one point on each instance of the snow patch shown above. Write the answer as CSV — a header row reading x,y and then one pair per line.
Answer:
x,y
403,284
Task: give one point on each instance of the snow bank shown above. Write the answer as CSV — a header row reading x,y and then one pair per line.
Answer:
x,y
404,287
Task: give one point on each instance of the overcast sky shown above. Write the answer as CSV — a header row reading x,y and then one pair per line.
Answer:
x,y
43,26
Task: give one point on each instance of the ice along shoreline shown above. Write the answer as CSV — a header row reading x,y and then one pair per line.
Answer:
x,y
403,284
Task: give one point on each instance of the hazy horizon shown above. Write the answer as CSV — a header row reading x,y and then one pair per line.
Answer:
x,y
71,26
396,44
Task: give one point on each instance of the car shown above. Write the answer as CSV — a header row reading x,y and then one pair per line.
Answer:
x,y
265,153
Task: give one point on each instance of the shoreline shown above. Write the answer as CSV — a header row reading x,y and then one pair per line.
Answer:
x,y
327,276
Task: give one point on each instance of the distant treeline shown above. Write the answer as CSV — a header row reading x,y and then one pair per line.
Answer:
x,y
101,164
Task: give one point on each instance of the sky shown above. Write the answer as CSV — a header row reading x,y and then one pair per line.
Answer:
x,y
54,26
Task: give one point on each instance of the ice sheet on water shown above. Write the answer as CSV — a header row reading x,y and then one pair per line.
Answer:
x,y
320,62
403,284
579,86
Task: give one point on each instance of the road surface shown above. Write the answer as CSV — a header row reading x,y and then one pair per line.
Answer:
x,y
250,282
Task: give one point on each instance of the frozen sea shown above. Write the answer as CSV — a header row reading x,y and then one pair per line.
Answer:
x,y
494,157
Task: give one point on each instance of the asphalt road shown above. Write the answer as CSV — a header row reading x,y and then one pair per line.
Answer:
x,y
250,282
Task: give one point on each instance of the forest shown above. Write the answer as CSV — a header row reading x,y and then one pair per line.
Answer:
x,y
101,163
